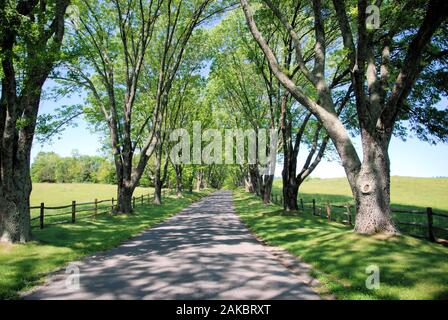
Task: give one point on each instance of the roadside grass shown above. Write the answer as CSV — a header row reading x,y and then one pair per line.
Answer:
x,y
23,266
407,193
409,268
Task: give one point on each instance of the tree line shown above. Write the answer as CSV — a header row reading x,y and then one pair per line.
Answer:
x,y
49,167
52,168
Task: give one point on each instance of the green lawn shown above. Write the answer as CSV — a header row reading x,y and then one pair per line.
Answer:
x,y
407,193
62,194
24,265
409,268
56,194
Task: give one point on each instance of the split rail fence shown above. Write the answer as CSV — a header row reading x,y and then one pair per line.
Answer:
x,y
42,215
418,223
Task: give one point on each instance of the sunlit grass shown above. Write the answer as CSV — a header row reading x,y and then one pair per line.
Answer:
x,y
409,268
57,194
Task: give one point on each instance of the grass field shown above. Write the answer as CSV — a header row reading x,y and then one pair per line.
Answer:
x,y
62,194
56,194
410,268
24,265
407,193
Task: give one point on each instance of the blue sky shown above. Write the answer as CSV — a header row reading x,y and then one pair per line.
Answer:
x,y
410,158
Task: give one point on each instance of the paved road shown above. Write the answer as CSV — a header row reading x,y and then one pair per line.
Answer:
x,y
204,252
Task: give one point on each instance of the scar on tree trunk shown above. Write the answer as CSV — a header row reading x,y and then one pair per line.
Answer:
x,y
372,193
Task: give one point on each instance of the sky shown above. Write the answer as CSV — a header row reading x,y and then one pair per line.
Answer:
x,y
411,158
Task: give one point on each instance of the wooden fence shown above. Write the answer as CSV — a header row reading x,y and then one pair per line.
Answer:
x,y
70,213
422,224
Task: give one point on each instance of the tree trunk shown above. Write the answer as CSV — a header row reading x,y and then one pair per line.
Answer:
x,y
254,179
371,187
190,183
124,199
371,190
290,192
15,211
267,188
290,185
158,192
158,183
178,170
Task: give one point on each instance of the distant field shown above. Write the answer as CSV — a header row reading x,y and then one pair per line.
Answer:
x,y
55,194
407,193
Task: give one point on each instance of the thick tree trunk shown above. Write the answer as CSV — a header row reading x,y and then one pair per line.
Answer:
x,y
371,190
290,192
267,188
15,211
158,192
125,185
254,179
290,185
124,199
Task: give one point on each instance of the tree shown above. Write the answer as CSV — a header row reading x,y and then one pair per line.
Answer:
x,y
247,85
109,50
382,71
45,167
111,40
31,34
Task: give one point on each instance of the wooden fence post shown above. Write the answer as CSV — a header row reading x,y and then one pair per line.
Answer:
x,y
349,214
149,198
430,225
301,204
73,211
141,200
112,208
328,211
276,199
41,216
133,202
314,207
96,209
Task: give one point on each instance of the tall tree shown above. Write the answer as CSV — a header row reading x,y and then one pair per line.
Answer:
x,y
31,34
382,70
127,55
247,84
108,47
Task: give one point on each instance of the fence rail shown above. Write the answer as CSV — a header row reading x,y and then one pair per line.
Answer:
x,y
417,223
46,214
